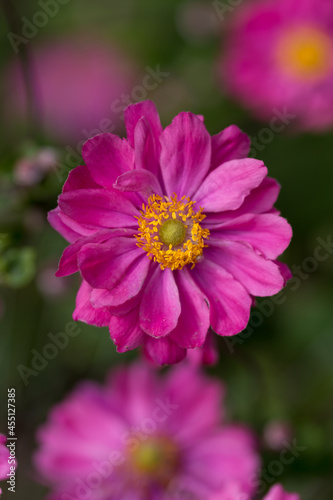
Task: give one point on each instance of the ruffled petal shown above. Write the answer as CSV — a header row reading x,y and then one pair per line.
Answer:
x,y
98,209
270,234
229,302
68,262
262,198
193,322
226,187
185,155
126,332
160,306
107,156
85,312
230,144
134,112
141,181
163,351
260,277
79,178
116,264
67,232
146,146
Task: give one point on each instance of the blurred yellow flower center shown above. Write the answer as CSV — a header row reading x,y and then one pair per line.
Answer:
x,y
156,458
305,52
170,231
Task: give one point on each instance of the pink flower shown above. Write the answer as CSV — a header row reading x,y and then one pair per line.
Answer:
x,y
4,456
79,84
234,493
145,437
288,61
172,231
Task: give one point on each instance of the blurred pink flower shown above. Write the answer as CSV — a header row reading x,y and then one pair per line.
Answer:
x,y
276,434
4,455
31,169
77,82
288,61
144,437
172,231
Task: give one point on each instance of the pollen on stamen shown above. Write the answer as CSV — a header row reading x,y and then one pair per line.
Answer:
x,y
180,238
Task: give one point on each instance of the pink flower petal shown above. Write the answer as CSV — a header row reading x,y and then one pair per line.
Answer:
x,y
79,178
230,144
160,306
260,277
126,332
226,187
186,154
146,146
163,351
69,234
68,262
278,493
193,322
134,112
98,209
85,312
117,301
262,198
229,302
270,234
142,181
115,263
107,156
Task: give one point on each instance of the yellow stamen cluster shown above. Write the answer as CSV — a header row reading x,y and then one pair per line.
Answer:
x,y
157,232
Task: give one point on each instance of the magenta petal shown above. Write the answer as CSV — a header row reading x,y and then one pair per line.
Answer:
x,y
85,312
193,322
229,302
164,351
54,219
278,493
68,262
284,270
107,156
139,180
134,112
185,155
79,178
262,198
270,234
99,208
260,277
230,144
226,187
126,332
147,147
117,262
160,306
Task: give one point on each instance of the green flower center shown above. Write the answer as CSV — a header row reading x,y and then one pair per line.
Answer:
x,y
172,232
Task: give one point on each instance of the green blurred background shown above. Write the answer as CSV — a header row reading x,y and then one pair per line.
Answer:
x,y
280,377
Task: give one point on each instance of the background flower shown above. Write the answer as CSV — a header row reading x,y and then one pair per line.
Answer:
x,y
288,62
77,81
142,436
